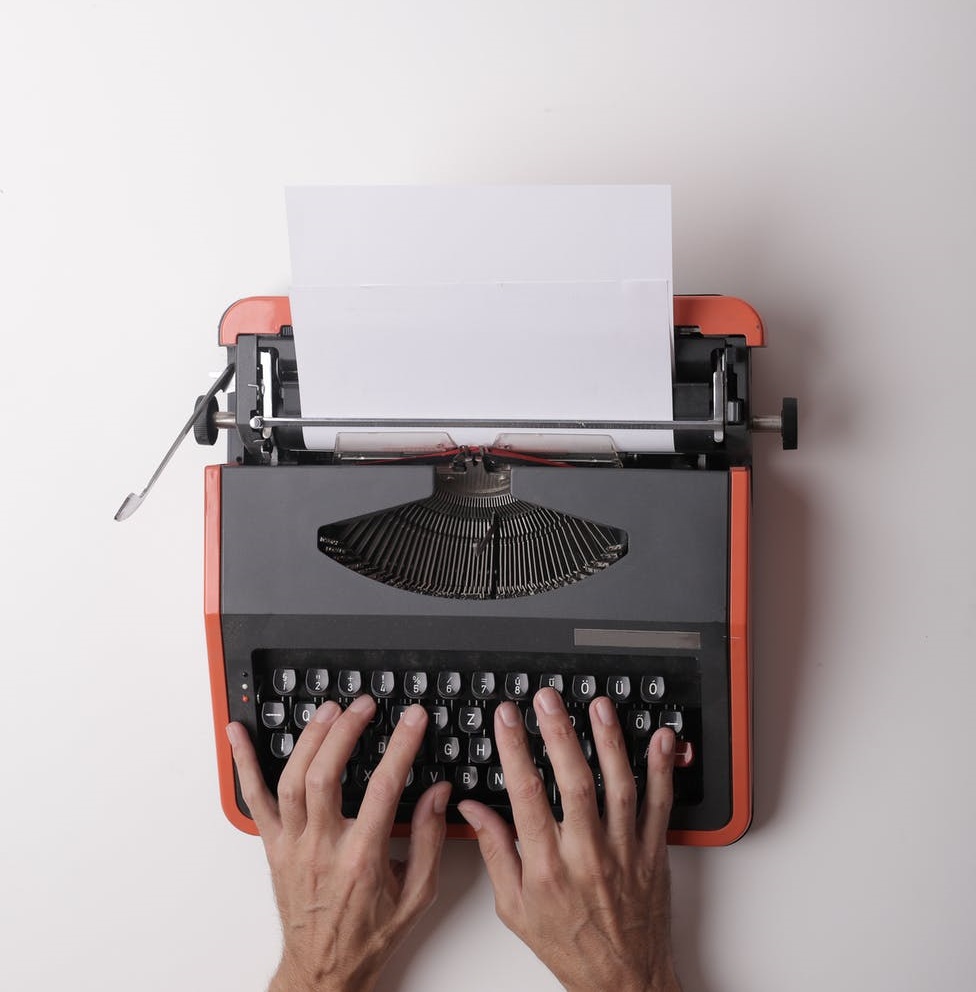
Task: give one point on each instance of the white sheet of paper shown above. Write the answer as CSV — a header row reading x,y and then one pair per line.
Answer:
x,y
509,302
502,351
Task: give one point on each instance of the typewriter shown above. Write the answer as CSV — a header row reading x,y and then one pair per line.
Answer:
x,y
460,577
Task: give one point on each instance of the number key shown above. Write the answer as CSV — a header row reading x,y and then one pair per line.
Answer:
x,y
349,682
317,681
449,685
483,685
516,685
415,685
284,681
381,684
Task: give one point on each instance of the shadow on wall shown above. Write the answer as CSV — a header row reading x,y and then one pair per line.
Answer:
x,y
783,564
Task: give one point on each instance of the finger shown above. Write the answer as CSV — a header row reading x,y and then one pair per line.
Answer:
x,y
386,784
291,785
534,821
323,779
259,800
573,775
496,842
428,828
660,790
619,789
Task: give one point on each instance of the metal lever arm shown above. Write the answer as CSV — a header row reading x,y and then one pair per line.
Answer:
x,y
132,502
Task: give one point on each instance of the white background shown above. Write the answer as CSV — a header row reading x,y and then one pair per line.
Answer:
x,y
822,160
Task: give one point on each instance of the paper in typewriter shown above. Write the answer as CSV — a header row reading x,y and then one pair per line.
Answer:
x,y
491,303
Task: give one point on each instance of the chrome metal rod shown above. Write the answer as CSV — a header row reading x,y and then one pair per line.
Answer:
x,y
258,423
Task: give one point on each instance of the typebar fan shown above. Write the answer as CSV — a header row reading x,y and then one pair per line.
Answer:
x,y
472,539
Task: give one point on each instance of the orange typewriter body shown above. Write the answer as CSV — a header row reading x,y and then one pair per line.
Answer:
x,y
289,624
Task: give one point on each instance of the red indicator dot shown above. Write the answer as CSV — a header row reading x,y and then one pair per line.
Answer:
x,y
245,699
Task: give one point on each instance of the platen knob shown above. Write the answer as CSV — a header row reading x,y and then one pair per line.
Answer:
x,y
205,427
790,424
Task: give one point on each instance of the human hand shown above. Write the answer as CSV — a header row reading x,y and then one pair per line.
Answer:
x,y
590,896
344,904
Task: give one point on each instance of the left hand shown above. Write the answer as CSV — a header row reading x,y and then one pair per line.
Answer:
x,y
344,904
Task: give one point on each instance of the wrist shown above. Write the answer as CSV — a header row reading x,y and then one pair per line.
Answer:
x,y
287,980
664,980
290,978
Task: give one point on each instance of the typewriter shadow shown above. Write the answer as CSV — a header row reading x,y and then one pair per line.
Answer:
x,y
781,593
688,910
454,913
461,870
785,569
781,583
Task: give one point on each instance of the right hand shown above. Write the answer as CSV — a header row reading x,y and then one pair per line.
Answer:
x,y
590,896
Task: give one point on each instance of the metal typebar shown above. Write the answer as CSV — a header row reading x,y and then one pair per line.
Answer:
x,y
258,423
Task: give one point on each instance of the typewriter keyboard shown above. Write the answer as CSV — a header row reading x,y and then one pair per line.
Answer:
x,y
460,701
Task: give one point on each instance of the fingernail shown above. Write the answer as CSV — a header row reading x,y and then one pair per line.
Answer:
x,y
548,700
233,734
509,714
605,711
667,742
440,801
414,716
362,704
327,712
473,821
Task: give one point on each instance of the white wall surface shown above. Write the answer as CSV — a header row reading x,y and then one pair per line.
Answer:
x,y
822,160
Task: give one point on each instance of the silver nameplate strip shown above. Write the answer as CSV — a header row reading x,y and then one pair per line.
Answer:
x,y
679,640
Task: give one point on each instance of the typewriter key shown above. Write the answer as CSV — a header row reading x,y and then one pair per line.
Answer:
x,y
317,681
449,685
652,688
273,715
282,744
284,681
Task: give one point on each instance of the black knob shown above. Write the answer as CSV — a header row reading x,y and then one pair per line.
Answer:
x,y
790,425
205,427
